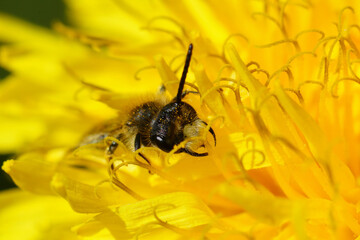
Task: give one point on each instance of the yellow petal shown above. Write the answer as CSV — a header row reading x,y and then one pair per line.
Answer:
x,y
177,211
169,80
212,98
314,135
265,208
89,198
29,217
32,175
18,31
111,17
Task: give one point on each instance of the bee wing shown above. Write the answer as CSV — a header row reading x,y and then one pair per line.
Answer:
x,y
111,128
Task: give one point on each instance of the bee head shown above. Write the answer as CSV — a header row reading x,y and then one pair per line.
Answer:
x,y
177,120
168,128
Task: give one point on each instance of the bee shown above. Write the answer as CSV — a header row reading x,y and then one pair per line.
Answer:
x,y
156,124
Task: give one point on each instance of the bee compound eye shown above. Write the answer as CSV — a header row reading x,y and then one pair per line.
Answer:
x,y
161,142
166,136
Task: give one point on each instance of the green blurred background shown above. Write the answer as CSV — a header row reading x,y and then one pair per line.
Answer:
x,y
40,12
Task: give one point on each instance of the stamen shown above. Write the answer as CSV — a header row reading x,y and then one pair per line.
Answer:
x,y
282,11
261,71
235,90
156,171
285,69
253,152
335,84
250,140
186,83
136,75
283,16
268,17
77,93
229,38
183,232
222,56
170,20
172,206
96,43
322,34
310,82
222,69
326,70
291,146
352,46
297,94
351,42
144,229
78,150
342,57
340,21
160,222
218,57
350,63
126,189
216,88
97,185
110,166
299,54
253,63
295,43
171,62
93,86
332,46
323,41
238,83
173,34
356,26
75,76
260,124
192,85
257,69
227,79
243,173
116,169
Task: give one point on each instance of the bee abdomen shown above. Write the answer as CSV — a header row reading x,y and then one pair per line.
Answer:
x,y
140,120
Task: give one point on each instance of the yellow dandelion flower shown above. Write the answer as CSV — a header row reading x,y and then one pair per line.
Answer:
x,y
276,82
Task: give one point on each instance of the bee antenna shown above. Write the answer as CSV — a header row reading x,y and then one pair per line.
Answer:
x,y
183,76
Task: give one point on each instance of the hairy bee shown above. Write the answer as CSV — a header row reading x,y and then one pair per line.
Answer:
x,y
156,124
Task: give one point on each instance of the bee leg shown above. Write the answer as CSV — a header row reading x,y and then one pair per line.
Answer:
x,y
110,151
187,92
147,160
137,145
162,89
112,147
212,132
195,154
